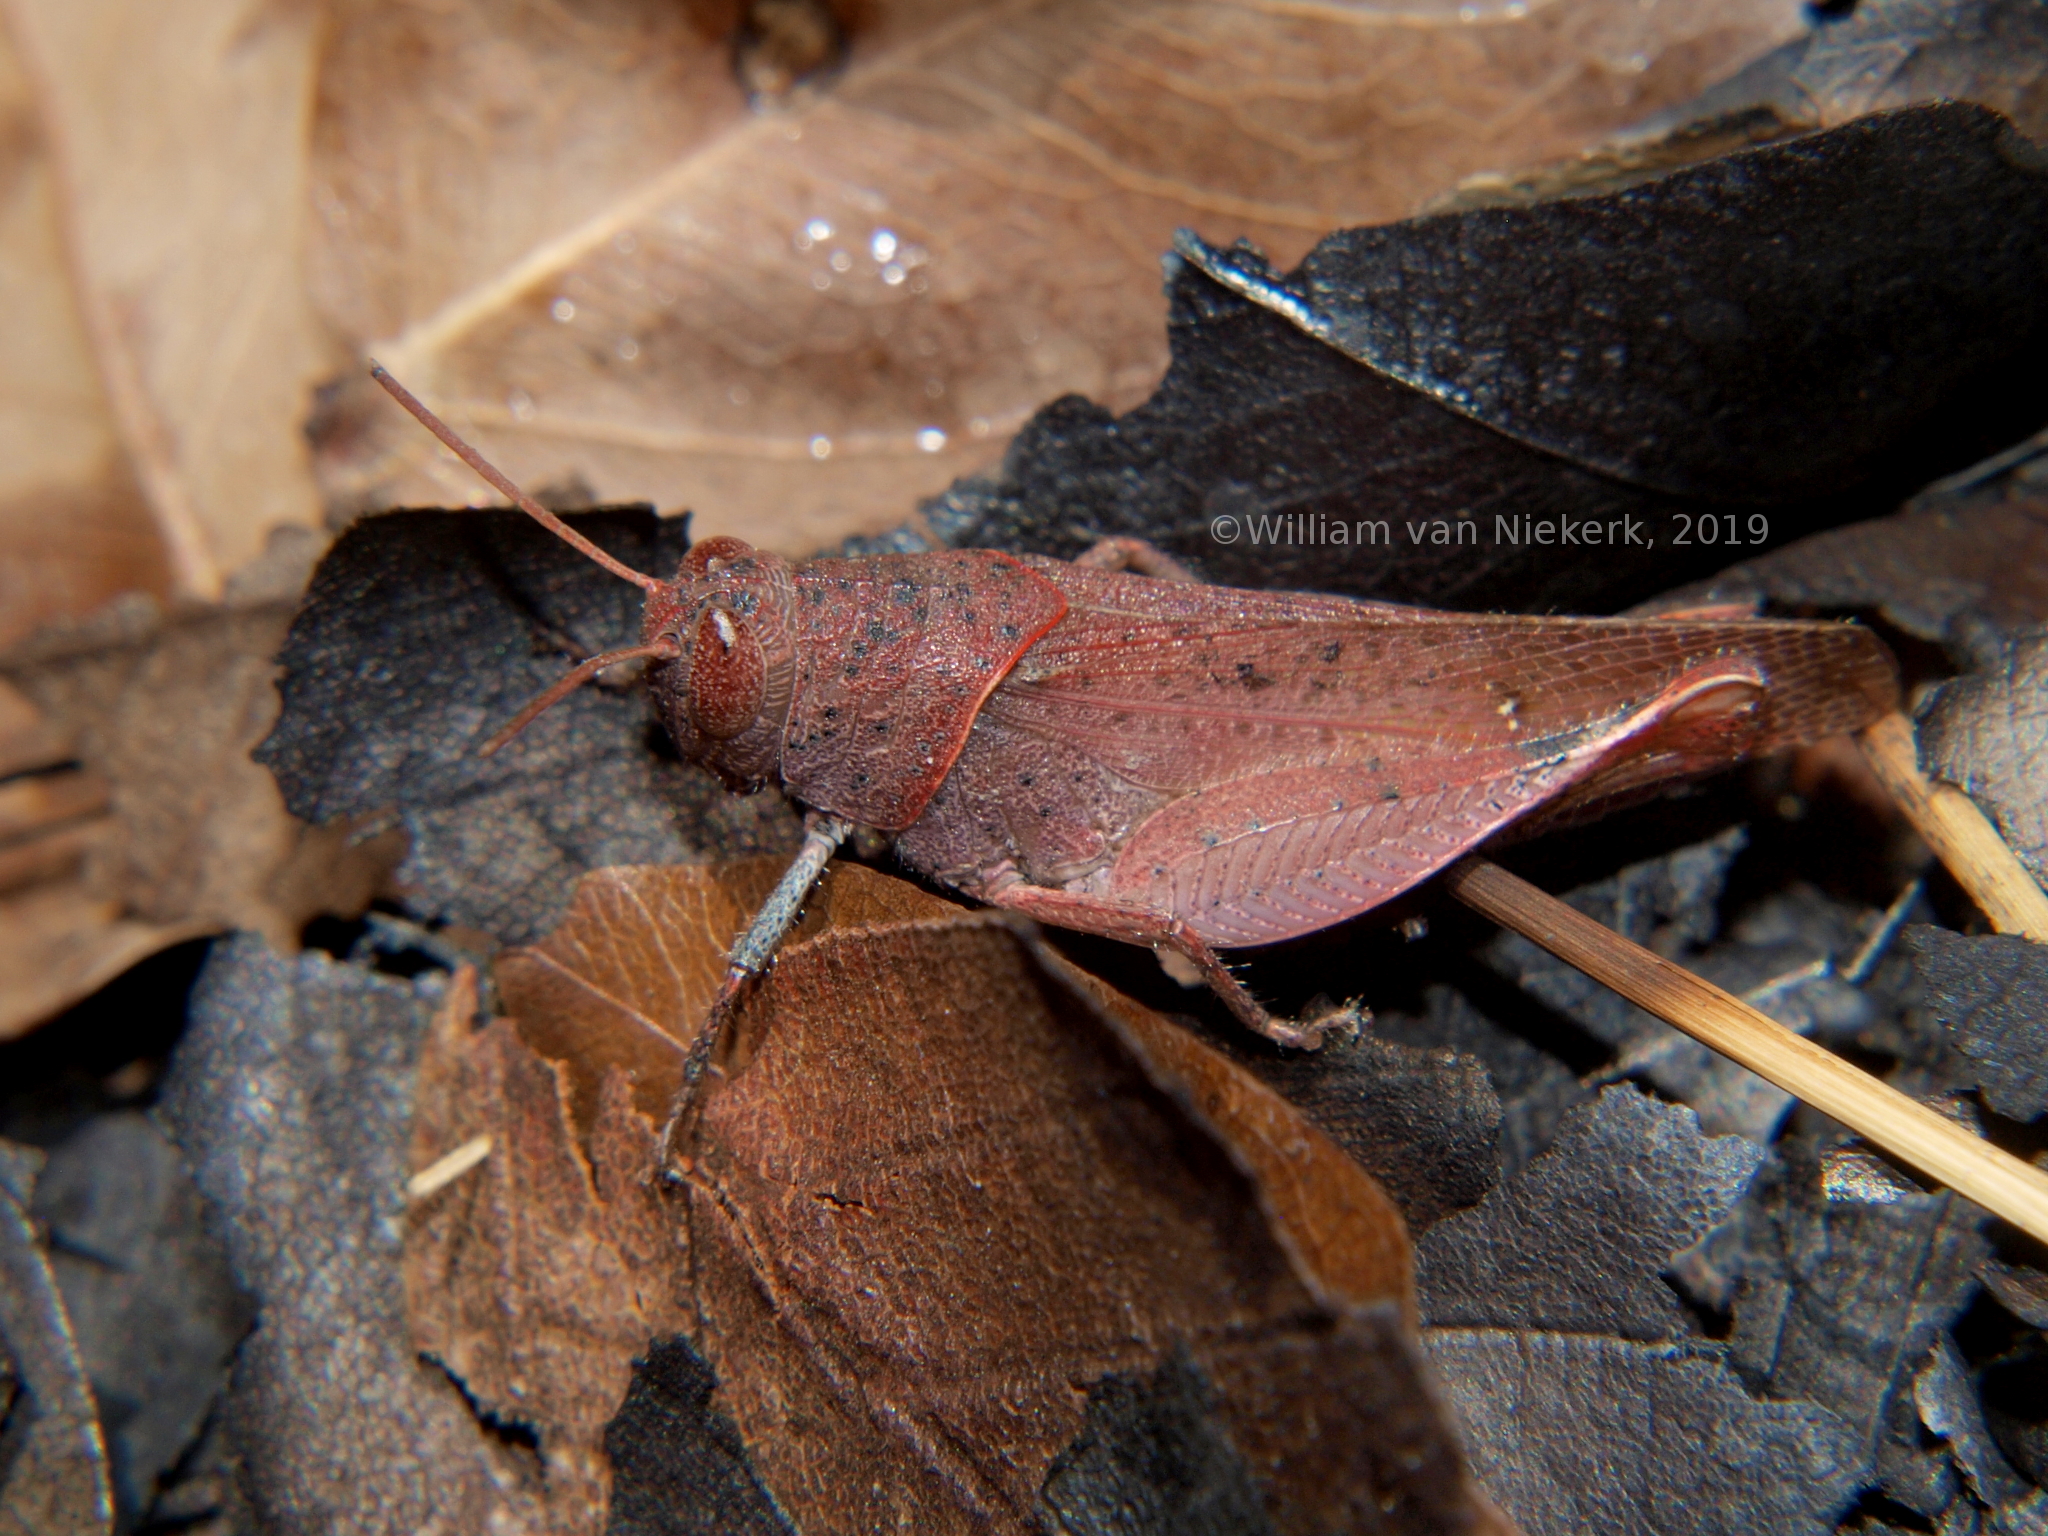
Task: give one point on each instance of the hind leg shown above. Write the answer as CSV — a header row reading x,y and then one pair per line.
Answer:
x,y
1137,925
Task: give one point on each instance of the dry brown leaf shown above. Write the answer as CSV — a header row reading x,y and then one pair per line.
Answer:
x,y
74,529
176,139
194,838
614,983
563,227
538,1277
949,1189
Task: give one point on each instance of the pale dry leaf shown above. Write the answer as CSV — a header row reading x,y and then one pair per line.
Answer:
x,y
74,528
177,137
196,838
564,228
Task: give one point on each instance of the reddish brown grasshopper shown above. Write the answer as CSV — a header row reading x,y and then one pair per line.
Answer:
x,y
1189,767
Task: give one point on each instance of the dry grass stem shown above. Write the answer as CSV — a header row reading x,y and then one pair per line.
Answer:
x,y
1960,834
1995,1179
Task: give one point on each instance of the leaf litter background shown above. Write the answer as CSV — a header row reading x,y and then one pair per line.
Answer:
x,y
1698,1310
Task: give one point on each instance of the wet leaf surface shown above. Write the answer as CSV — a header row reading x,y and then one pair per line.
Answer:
x,y
1255,424
555,1341
907,260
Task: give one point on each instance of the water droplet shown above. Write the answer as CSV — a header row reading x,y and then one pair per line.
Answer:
x,y
892,274
625,242
979,426
918,283
739,394
1515,10
520,404
883,245
1468,13
821,281
1638,62
563,310
821,447
841,262
802,241
818,229
931,439
628,348
934,387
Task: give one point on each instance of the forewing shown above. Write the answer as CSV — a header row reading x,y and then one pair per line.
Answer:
x,y
1179,688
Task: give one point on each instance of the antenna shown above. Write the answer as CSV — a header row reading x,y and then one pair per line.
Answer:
x,y
664,648
502,484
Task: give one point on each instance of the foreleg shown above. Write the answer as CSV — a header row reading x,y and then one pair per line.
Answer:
x,y
750,956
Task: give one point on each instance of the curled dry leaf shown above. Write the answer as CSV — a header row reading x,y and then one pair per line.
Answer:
x,y
176,137
564,228
959,1220
142,820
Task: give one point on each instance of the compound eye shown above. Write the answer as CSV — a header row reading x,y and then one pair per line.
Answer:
x,y
698,560
728,675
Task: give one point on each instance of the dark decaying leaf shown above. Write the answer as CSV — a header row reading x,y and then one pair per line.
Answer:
x,y
1655,1440
1711,376
53,1461
1991,994
1669,904
291,1097
1949,1407
1577,1242
1890,53
423,633
1988,732
1565,1350
678,1466
156,1313
973,1242
1424,1121
1691,311
1534,1087
1850,1274
1961,569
